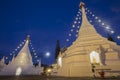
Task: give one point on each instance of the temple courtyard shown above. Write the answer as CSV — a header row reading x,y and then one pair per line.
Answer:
x,y
53,78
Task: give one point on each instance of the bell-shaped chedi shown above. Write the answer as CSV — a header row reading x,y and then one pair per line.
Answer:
x,y
22,64
89,49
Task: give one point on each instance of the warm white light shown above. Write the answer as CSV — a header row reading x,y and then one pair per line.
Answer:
x,y
60,61
94,57
107,27
18,71
47,54
49,70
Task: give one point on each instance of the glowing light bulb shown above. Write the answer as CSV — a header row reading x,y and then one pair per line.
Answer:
x,y
93,15
76,18
76,35
6,57
20,44
103,24
10,53
96,17
67,40
90,21
15,49
112,32
99,20
73,26
71,30
77,31
78,21
107,27
69,34
118,37
75,22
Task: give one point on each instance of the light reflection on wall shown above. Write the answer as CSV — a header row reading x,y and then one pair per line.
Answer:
x,y
94,57
18,71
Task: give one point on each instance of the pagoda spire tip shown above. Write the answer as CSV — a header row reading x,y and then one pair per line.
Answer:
x,y
28,37
82,4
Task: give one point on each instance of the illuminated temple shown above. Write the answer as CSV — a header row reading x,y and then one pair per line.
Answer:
x,y
89,54
22,64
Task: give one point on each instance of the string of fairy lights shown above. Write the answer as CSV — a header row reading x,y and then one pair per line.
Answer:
x,y
98,20
73,33
104,25
35,55
19,47
92,18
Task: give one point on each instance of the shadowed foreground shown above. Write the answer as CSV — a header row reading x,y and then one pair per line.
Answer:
x,y
50,78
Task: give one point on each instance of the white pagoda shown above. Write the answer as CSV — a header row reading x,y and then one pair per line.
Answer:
x,y
22,64
89,54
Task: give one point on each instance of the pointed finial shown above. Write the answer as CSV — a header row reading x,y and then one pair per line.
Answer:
x,y
82,4
28,37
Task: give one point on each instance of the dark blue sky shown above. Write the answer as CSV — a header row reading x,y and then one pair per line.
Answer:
x,y
46,21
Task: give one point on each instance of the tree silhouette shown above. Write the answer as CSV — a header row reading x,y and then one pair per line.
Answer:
x,y
110,38
57,49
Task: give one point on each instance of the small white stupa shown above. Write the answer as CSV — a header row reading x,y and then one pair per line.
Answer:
x,y
22,64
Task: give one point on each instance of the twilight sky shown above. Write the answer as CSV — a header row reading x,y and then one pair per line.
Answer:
x,y
49,20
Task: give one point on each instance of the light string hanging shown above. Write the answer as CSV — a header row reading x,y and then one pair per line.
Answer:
x,y
75,27
98,20
15,51
105,26
35,55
